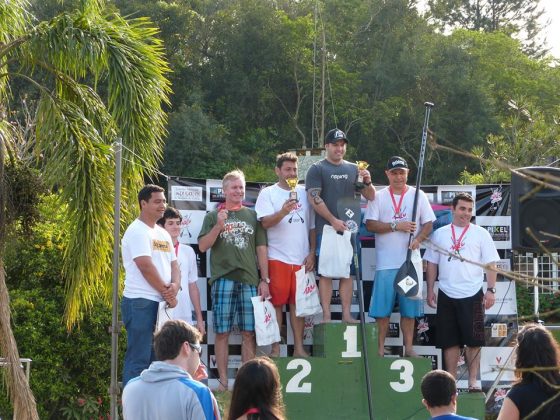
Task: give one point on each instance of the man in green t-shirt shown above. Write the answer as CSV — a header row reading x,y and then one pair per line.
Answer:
x,y
237,241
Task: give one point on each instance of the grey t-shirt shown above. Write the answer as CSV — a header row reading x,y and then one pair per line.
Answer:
x,y
337,182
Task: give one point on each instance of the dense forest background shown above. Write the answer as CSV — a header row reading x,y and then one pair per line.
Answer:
x,y
247,82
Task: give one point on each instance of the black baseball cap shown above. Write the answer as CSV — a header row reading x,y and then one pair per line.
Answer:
x,y
335,135
396,162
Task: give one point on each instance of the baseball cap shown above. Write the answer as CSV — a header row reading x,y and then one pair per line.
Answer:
x,y
396,162
335,135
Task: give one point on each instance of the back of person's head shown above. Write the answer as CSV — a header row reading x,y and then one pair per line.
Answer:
x,y
146,192
438,388
257,385
169,213
171,336
537,348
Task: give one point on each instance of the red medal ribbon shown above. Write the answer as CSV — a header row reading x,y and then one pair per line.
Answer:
x,y
457,242
396,207
176,248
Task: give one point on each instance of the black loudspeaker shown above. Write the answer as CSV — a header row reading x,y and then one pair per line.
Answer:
x,y
538,210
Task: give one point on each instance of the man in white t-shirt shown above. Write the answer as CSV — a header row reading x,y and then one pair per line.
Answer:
x,y
188,298
290,224
151,276
390,217
461,302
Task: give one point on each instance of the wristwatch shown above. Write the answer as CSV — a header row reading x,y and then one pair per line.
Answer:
x,y
267,280
393,226
491,290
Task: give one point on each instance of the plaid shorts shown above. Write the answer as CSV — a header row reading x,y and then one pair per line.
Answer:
x,y
231,299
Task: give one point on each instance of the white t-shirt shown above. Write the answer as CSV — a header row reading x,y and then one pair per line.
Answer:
x,y
186,258
460,279
391,247
288,241
141,240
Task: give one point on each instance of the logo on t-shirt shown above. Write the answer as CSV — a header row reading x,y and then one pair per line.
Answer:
x,y
237,233
159,245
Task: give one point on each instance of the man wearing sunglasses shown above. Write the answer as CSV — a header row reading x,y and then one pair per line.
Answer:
x,y
167,389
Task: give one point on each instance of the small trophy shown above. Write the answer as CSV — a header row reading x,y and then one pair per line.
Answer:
x,y
292,183
362,164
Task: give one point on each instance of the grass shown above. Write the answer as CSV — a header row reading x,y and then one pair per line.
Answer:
x,y
223,399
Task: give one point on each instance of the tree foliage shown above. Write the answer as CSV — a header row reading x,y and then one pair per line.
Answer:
x,y
96,77
519,18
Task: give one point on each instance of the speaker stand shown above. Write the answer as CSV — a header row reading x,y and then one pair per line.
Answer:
x,y
536,289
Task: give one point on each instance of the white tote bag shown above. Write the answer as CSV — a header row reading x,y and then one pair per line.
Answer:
x,y
336,254
164,314
266,327
307,296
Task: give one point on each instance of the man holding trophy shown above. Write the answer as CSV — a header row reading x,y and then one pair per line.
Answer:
x,y
284,211
329,183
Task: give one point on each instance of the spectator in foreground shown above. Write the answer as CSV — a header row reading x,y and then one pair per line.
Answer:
x,y
536,394
440,395
167,390
257,393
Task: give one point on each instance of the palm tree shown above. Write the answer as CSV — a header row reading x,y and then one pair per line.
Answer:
x,y
98,77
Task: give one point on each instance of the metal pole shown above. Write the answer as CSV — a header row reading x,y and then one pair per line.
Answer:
x,y
114,388
365,345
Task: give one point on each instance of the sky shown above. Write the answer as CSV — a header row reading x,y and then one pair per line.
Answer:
x,y
552,12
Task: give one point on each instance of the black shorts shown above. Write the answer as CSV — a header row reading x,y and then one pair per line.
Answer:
x,y
460,322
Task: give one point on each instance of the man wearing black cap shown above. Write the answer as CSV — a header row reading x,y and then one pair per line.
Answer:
x,y
390,217
329,181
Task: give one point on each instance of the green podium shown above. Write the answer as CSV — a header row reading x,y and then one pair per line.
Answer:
x,y
332,384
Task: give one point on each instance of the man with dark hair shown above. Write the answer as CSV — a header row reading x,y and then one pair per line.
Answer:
x,y
167,390
188,297
390,217
456,256
290,224
238,243
151,276
328,182
439,394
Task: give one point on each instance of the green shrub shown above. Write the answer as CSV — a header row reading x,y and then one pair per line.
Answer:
x,y
67,367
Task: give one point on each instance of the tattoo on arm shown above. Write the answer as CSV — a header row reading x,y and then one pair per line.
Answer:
x,y
315,194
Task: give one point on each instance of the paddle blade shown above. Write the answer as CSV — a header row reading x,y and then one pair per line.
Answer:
x,y
406,281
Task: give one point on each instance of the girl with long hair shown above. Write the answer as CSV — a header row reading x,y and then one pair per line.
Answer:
x,y
536,395
257,393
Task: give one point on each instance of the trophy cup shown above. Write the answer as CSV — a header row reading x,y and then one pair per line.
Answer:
x,y
362,164
292,183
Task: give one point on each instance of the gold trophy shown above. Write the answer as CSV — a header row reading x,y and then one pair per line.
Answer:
x,y
362,164
292,183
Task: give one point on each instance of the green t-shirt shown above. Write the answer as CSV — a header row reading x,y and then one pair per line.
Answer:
x,y
233,255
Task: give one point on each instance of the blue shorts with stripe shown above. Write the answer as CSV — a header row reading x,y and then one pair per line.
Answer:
x,y
230,300
384,294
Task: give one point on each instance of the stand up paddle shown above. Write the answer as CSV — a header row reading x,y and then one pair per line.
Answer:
x,y
406,282
349,211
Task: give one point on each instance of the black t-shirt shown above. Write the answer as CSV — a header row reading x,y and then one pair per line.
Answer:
x,y
528,397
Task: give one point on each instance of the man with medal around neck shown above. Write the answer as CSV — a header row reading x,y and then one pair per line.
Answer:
x,y
389,216
328,181
461,301
238,244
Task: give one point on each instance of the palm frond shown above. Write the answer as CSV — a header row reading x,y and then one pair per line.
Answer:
x,y
75,130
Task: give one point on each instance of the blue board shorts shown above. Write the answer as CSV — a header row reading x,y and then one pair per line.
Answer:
x,y
384,294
